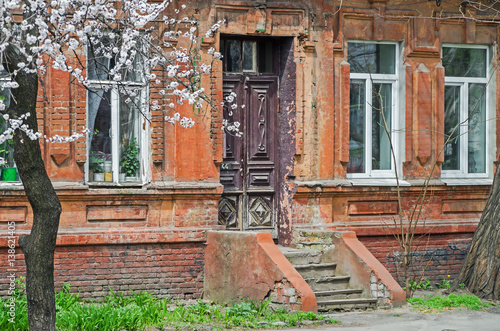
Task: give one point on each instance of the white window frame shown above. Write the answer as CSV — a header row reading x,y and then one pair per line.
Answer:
x,y
18,181
144,170
463,83
395,80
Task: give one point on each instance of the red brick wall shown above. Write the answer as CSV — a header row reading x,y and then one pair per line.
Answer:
x,y
436,256
173,270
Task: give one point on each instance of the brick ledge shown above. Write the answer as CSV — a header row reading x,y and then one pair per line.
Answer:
x,y
117,236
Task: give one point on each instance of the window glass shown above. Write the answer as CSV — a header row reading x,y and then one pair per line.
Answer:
x,y
266,57
233,56
249,56
477,128
466,83
372,121
99,63
100,153
464,62
113,117
451,128
102,58
4,94
130,136
8,170
381,117
371,58
357,111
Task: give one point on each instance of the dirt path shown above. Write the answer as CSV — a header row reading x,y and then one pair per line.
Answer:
x,y
406,319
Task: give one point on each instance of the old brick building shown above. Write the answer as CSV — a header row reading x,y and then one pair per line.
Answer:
x,y
317,79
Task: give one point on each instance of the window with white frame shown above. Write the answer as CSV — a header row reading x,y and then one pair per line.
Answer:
x,y
116,148
8,170
466,111
373,115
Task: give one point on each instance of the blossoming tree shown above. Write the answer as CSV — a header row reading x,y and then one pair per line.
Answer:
x,y
93,40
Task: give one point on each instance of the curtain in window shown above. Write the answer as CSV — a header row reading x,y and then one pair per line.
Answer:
x,y
97,70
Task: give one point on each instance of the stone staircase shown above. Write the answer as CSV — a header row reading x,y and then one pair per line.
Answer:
x,y
333,292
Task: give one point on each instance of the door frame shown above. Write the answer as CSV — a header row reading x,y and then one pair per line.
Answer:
x,y
284,134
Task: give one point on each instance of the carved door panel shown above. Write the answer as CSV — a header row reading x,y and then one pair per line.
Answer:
x,y
248,171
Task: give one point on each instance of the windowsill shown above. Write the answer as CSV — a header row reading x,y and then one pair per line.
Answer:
x,y
391,182
113,184
467,181
13,186
168,185
377,182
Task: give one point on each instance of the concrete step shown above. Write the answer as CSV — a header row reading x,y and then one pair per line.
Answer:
x,y
346,304
332,292
328,283
316,270
338,294
301,256
311,244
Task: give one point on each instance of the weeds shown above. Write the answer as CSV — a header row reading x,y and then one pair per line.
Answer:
x,y
451,301
20,308
426,285
445,284
141,310
419,285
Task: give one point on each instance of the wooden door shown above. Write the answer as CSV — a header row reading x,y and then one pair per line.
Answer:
x,y
249,167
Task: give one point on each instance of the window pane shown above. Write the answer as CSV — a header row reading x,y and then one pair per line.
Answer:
x,y
249,56
4,94
451,129
130,121
371,58
134,73
477,128
7,147
266,57
381,117
233,56
99,104
102,58
98,62
357,128
464,62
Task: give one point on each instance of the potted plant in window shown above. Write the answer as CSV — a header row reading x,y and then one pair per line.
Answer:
x,y
9,169
96,167
129,163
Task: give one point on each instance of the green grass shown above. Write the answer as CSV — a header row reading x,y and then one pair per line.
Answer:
x,y
141,310
447,302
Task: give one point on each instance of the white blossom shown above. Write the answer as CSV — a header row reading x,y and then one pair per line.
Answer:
x,y
59,31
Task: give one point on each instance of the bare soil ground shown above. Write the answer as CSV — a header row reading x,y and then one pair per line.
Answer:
x,y
408,319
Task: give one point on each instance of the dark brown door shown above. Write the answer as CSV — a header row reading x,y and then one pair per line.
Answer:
x,y
248,171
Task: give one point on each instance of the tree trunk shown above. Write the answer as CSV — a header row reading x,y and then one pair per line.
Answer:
x,y
481,269
40,244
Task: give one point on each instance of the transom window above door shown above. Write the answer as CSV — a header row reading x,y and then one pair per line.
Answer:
x,y
248,56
